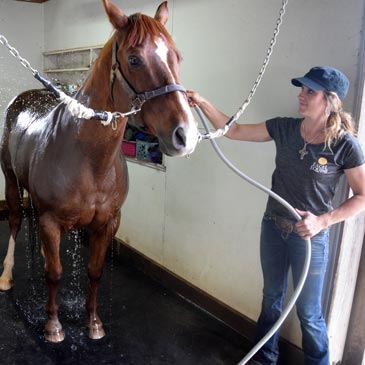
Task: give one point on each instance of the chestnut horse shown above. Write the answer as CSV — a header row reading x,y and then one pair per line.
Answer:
x,y
73,168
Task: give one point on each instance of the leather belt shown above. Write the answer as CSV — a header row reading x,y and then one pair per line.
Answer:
x,y
284,224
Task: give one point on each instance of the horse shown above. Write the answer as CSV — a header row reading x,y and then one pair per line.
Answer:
x,y
72,168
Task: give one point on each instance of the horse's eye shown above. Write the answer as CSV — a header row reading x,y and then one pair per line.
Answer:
x,y
134,61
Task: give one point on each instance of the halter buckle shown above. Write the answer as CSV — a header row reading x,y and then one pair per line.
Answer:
x,y
137,102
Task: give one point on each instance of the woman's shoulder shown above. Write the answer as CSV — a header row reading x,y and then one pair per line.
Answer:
x,y
347,138
347,149
283,123
285,120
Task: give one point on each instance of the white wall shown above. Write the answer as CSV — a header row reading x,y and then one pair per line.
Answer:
x,y
22,25
197,218
212,219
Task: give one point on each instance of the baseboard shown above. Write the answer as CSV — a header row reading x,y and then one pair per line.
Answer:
x,y
234,319
289,353
4,213
3,205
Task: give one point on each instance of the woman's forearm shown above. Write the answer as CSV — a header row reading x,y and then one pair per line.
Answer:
x,y
349,208
242,132
215,116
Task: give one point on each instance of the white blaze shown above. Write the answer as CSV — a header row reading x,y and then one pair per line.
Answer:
x,y
192,130
162,52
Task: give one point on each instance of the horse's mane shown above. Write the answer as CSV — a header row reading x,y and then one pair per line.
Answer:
x,y
141,26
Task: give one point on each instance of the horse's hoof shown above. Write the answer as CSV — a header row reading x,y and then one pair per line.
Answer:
x,y
55,336
5,284
95,331
53,332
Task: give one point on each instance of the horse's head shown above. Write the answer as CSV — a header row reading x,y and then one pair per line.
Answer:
x,y
145,66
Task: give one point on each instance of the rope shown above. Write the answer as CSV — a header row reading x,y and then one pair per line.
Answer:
x,y
78,110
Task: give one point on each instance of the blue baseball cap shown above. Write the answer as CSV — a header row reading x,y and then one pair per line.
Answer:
x,y
324,78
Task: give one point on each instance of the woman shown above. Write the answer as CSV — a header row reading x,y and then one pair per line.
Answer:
x,y
312,153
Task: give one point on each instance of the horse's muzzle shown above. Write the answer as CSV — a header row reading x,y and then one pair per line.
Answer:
x,y
182,141
179,138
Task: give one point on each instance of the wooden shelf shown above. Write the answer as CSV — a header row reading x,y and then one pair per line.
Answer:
x,y
56,70
72,50
70,66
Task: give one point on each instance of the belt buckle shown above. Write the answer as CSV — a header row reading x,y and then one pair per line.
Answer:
x,y
285,225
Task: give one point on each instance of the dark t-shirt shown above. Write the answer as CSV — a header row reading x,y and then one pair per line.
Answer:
x,y
308,184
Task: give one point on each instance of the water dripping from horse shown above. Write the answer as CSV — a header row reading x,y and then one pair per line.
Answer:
x,y
73,168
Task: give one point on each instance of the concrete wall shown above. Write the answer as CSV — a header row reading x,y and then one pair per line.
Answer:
x,y
198,219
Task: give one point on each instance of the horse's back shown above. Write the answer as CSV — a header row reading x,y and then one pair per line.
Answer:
x,y
37,103
23,114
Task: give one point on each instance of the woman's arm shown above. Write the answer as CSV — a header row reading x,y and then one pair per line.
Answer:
x,y
242,132
355,204
312,224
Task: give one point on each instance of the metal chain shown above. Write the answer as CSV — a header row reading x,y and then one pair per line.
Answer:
x,y
222,131
266,61
76,109
16,54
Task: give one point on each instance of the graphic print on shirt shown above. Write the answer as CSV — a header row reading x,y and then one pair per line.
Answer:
x,y
320,166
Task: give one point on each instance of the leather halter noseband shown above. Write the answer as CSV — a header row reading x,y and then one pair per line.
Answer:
x,y
137,99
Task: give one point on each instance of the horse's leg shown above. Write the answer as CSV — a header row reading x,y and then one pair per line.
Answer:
x,y
50,236
99,243
12,195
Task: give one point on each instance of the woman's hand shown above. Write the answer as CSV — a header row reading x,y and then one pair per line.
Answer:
x,y
310,225
194,98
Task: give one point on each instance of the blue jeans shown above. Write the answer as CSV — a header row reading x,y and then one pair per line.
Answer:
x,y
280,250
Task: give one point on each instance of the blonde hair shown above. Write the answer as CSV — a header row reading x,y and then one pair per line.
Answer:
x,y
339,122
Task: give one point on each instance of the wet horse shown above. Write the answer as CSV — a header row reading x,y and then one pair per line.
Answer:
x,y
72,168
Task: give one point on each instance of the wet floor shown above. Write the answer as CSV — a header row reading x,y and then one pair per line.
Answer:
x,y
145,323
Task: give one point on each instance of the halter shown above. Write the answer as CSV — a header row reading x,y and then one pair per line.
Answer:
x,y
137,99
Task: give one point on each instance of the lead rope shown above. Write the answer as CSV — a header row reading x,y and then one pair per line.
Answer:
x,y
222,131
76,109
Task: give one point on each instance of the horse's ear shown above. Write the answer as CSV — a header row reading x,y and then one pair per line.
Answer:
x,y
162,13
116,16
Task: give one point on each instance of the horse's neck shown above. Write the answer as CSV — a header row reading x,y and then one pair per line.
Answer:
x,y
97,139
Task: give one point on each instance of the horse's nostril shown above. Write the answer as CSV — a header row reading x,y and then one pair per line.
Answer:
x,y
179,138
